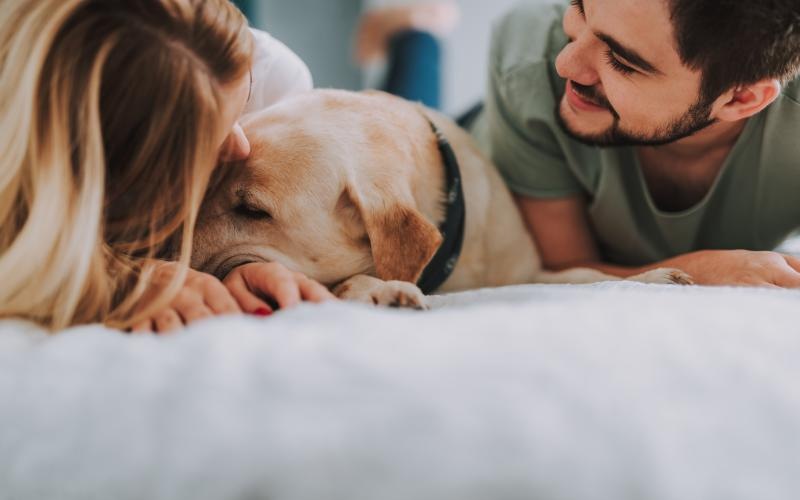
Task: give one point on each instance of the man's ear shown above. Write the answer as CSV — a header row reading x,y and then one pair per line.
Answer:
x,y
748,100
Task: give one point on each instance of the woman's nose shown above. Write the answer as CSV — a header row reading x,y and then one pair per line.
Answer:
x,y
236,146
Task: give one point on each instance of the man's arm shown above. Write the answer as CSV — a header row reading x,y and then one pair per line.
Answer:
x,y
561,231
564,238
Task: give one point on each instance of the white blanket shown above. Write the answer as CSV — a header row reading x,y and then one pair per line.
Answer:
x,y
612,391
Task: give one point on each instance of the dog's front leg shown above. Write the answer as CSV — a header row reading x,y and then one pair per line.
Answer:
x,y
577,276
371,290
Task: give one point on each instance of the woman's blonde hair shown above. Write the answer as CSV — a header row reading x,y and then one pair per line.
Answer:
x,y
109,128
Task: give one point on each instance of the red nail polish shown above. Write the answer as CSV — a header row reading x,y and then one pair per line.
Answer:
x,y
263,312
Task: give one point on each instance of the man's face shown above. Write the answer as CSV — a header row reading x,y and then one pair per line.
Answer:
x,y
626,84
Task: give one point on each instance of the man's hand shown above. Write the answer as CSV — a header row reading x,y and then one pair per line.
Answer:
x,y
251,283
739,268
201,296
563,236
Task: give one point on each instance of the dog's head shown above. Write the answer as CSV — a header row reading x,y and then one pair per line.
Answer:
x,y
329,189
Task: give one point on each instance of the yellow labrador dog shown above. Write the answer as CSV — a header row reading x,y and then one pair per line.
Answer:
x,y
376,197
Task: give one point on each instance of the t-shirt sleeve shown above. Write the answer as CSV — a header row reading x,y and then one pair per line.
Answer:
x,y
527,154
524,148
520,125
277,72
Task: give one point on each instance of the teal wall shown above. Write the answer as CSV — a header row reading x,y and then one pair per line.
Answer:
x,y
320,31
247,6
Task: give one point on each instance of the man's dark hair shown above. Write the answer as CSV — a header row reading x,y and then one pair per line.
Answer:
x,y
737,42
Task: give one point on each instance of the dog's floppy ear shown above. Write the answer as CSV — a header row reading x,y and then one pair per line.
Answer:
x,y
401,239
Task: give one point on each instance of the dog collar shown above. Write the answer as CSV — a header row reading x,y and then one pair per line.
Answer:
x,y
444,261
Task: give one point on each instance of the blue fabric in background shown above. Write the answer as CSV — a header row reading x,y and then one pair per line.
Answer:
x,y
414,73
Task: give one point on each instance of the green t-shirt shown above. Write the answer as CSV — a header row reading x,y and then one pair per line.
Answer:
x,y
754,203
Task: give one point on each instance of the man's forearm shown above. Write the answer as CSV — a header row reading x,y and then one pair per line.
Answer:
x,y
683,262
614,270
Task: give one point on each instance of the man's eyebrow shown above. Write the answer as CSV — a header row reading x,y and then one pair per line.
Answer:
x,y
629,55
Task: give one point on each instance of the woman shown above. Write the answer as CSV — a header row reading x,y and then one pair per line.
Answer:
x,y
113,116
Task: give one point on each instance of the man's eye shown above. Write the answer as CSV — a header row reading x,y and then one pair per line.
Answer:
x,y
578,4
253,213
618,66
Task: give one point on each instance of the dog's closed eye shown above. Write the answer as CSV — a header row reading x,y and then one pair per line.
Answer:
x,y
250,212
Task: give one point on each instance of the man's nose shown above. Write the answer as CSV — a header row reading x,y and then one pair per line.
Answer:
x,y
236,146
575,62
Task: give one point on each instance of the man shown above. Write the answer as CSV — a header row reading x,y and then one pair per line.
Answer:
x,y
638,134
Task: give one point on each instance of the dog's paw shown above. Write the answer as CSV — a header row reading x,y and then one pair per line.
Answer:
x,y
398,294
664,276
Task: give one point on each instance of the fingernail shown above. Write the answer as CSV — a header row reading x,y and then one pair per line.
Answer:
x,y
263,312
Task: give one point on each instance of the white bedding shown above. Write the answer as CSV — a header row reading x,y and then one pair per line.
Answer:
x,y
611,391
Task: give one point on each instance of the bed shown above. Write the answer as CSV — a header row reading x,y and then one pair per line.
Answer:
x,y
608,391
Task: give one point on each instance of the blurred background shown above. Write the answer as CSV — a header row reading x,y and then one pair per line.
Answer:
x,y
322,33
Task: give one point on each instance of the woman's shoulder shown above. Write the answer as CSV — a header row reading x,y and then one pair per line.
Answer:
x,y
277,72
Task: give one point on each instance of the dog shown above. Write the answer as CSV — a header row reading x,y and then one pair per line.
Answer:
x,y
380,199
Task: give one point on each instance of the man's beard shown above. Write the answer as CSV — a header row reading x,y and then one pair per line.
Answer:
x,y
694,120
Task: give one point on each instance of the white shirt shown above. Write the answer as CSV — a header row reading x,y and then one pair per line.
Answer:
x,y
277,72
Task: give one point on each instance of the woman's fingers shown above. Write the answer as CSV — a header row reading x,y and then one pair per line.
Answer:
x,y
145,326
248,301
273,280
203,296
283,290
191,306
168,321
311,290
217,297
251,284
246,288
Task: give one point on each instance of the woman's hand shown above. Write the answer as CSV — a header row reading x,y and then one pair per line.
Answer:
x,y
201,296
249,283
